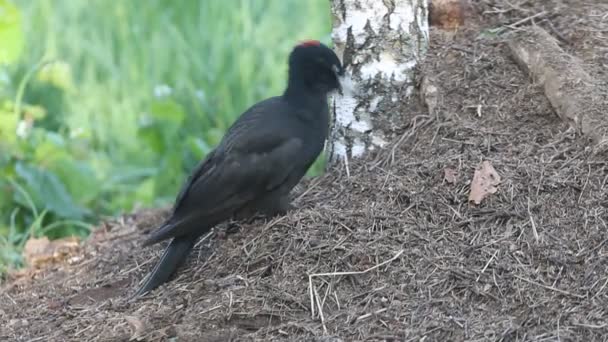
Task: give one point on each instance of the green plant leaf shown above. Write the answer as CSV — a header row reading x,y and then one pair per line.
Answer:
x,y
51,148
8,124
11,34
78,177
152,137
198,147
145,191
214,136
167,118
49,192
167,110
57,73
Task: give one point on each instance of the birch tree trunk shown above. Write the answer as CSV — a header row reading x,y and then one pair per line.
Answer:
x,y
380,43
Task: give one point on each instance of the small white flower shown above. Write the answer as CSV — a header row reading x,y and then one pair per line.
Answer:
x,y
76,132
162,90
200,95
145,119
22,129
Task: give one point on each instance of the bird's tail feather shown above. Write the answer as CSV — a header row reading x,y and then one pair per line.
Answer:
x,y
172,258
161,233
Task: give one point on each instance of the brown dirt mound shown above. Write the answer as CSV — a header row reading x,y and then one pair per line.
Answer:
x,y
529,263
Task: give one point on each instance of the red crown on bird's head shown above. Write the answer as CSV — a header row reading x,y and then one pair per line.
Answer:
x,y
308,43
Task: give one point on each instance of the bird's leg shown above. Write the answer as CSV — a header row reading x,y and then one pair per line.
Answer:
x,y
246,214
276,206
270,206
231,228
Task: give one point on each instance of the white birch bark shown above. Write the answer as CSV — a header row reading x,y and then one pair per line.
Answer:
x,y
380,42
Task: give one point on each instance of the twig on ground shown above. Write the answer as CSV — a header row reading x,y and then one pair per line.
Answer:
x,y
555,289
313,291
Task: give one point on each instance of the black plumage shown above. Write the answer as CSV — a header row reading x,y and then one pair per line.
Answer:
x,y
262,156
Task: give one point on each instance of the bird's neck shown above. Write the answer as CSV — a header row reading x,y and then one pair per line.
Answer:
x,y
305,95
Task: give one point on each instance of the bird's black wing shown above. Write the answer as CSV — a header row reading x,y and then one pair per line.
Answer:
x,y
204,166
248,168
241,137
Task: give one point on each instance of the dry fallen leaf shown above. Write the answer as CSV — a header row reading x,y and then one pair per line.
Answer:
x,y
484,182
139,328
447,14
450,175
38,251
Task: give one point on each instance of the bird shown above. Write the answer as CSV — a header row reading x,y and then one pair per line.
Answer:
x,y
262,156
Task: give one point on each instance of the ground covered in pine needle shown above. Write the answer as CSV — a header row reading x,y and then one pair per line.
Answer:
x,y
388,248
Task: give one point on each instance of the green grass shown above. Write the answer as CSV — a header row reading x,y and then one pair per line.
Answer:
x,y
134,94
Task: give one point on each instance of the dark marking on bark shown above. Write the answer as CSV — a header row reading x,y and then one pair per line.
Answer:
x,y
390,6
343,9
349,48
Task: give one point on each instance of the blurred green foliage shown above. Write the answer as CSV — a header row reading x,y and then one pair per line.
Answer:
x,y
105,106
